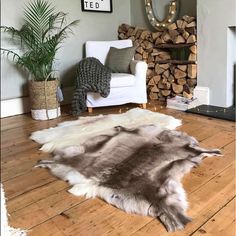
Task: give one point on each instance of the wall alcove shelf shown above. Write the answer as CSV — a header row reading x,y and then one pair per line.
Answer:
x,y
176,62
171,45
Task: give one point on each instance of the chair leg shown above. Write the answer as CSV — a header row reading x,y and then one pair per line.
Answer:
x,y
144,105
90,109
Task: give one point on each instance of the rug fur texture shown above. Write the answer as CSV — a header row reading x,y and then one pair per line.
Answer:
x,y
76,132
137,169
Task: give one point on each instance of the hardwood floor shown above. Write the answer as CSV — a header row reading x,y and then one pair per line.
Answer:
x,y
39,202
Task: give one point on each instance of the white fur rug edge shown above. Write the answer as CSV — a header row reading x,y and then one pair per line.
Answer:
x,y
76,132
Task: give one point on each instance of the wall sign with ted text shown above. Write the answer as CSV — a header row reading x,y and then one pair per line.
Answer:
x,y
97,5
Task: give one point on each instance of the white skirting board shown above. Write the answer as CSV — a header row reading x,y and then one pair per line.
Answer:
x,y
17,106
202,94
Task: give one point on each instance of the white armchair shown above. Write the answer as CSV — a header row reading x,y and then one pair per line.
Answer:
x,y
125,88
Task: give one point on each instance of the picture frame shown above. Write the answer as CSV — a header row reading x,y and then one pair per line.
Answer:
x,y
97,6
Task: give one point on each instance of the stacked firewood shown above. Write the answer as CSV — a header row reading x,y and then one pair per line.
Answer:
x,y
166,77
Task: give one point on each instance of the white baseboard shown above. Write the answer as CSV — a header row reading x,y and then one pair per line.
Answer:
x,y
17,106
202,94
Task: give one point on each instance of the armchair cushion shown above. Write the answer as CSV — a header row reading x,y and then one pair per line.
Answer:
x,y
118,60
100,49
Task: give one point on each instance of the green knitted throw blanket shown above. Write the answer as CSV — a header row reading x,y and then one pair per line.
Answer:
x,y
92,76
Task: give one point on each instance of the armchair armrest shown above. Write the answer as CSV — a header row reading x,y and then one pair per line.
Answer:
x,y
138,68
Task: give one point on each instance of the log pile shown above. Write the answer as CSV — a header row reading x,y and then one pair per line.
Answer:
x,y
166,77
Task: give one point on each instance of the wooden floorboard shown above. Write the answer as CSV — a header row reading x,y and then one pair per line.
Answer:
x,y
222,223
39,202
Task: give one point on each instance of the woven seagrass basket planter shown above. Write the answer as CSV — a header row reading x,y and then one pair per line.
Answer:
x,y
43,98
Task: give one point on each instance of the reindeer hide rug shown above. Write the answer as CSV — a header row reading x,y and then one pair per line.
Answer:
x,y
136,169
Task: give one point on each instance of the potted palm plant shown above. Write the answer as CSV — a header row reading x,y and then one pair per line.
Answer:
x,y
40,37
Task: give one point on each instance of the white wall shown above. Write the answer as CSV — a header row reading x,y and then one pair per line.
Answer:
x,y
213,19
92,26
231,64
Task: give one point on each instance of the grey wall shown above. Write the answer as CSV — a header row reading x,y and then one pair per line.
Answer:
x,y
139,18
92,26
215,55
216,48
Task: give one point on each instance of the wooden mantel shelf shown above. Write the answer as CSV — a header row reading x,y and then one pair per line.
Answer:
x,y
176,62
170,45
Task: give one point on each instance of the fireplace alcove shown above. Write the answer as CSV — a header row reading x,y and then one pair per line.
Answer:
x,y
171,55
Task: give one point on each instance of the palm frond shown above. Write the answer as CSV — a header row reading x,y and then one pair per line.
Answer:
x,y
37,16
14,56
53,24
40,36
63,33
11,30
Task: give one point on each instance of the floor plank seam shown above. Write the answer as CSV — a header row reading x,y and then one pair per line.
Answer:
x,y
50,218
12,155
12,197
16,176
213,215
39,199
226,167
152,220
203,140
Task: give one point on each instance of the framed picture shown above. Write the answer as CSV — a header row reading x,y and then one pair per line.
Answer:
x,y
97,5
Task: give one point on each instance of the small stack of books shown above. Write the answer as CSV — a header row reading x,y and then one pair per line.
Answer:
x,y
181,103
